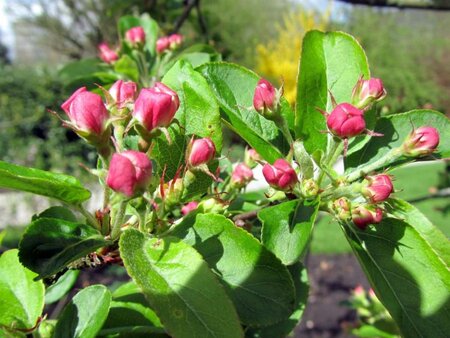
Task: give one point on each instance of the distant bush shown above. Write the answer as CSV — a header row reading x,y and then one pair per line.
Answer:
x,y
29,134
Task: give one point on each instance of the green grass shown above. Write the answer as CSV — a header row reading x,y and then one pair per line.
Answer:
x,y
410,182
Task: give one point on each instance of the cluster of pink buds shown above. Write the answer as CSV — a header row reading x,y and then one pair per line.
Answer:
x,y
135,36
363,215
106,53
170,42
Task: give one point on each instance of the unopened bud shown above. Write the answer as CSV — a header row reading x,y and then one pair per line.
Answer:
x,y
129,172
212,206
422,141
309,188
87,112
266,100
342,208
377,188
162,44
175,40
173,191
252,158
346,121
155,107
106,53
201,151
367,92
187,208
123,92
241,176
135,36
363,215
280,175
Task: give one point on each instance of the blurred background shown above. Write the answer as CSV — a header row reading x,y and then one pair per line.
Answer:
x,y
407,43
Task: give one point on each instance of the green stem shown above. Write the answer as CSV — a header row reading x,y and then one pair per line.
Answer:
x,y
118,135
383,161
335,150
118,220
89,217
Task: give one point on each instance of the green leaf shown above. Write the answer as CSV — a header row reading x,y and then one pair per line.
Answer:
x,y
49,244
170,155
127,66
22,299
198,113
64,284
395,129
252,276
287,229
196,55
283,328
329,62
56,212
130,314
437,240
179,286
407,274
149,25
371,332
234,87
62,187
84,316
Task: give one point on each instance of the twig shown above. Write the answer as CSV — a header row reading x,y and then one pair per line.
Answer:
x,y
182,18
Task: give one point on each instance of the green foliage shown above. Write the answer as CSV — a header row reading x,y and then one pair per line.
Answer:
x,y
83,317
251,275
407,252
233,87
395,129
64,284
22,297
50,244
330,63
62,187
287,229
179,286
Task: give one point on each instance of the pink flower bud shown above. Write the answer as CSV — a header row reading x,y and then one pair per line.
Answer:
x,y
175,40
421,141
129,172
280,175
378,188
155,107
106,53
123,92
241,176
359,291
363,215
135,36
201,151
187,208
346,121
86,111
162,44
264,97
368,91
252,158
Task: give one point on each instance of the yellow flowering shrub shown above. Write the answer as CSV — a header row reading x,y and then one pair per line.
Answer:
x,y
278,59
